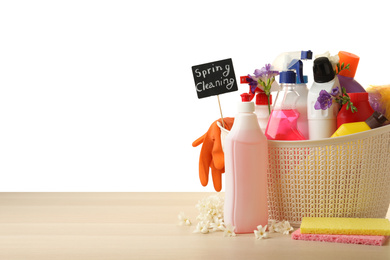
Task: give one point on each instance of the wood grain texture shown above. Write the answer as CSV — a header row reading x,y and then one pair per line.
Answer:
x,y
138,226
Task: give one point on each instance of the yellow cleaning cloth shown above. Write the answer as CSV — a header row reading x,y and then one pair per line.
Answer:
x,y
346,226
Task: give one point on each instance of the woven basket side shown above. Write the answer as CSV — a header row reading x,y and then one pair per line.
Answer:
x,y
342,179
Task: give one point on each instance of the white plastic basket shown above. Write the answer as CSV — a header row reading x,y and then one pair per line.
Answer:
x,y
346,176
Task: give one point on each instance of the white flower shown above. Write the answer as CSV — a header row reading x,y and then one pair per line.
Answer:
x,y
260,232
217,224
229,231
210,212
202,227
210,207
183,219
275,226
283,227
272,227
286,228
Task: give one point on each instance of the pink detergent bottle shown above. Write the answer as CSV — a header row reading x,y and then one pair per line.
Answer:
x,y
246,161
282,124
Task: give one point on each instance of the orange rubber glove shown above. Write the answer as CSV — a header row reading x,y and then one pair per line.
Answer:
x,y
211,154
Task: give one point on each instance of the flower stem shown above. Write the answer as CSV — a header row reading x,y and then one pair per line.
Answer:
x,y
269,107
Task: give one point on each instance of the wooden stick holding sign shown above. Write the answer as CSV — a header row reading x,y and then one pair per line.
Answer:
x,y
220,110
215,78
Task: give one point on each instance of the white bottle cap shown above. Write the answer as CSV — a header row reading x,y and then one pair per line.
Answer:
x,y
246,107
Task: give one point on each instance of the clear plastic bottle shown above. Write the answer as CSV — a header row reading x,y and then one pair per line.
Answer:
x,y
261,109
302,90
282,124
246,162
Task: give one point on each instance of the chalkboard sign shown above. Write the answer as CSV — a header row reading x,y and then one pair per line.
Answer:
x,y
214,78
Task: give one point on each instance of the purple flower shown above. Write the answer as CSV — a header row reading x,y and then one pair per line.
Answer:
x,y
253,89
263,80
258,73
324,100
335,91
252,83
265,73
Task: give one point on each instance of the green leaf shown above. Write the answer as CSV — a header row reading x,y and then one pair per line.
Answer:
x,y
338,68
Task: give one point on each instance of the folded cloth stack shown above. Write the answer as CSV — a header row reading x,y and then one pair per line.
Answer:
x,y
366,231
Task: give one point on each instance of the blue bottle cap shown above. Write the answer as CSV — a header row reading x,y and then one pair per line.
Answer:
x,y
305,80
287,77
306,55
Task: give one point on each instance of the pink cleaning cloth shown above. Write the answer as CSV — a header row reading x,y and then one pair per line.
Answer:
x,y
347,239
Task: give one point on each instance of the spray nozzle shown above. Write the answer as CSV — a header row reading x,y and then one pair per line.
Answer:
x,y
247,80
289,61
284,59
245,97
306,55
244,79
297,65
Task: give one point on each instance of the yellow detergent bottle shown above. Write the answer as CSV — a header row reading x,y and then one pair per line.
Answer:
x,y
375,120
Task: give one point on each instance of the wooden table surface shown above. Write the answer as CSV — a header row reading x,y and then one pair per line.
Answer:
x,y
139,226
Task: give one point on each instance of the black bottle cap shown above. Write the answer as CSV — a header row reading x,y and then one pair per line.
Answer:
x,y
322,70
376,120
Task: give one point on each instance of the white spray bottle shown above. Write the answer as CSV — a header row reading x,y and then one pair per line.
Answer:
x,y
322,123
301,105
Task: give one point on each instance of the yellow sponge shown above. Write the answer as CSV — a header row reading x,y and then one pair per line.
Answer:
x,y
346,226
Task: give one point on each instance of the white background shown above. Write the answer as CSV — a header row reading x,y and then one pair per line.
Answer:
x,y
99,95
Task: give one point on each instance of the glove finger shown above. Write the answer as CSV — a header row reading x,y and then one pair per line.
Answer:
x,y
205,160
228,122
217,153
203,173
217,178
198,141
